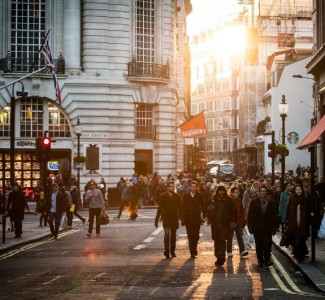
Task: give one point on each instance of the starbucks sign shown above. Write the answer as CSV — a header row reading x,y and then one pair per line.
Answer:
x,y
293,137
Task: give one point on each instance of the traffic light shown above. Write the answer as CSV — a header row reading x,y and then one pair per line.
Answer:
x,y
271,152
43,148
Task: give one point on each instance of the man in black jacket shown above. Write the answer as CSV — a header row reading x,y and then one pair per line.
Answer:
x,y
170,208
223,217
16,207
262,223
192,216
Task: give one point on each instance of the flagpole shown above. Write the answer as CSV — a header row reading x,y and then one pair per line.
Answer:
x,y
21,78
39,50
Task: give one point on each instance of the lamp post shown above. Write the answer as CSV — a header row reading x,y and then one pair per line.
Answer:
x,y
12,127
283,109
78,134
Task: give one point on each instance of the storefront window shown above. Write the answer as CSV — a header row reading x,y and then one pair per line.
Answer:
x,y
58,124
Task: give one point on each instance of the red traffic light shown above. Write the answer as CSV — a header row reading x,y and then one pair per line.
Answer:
x,y
46,141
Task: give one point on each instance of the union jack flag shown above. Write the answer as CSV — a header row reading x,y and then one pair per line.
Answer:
x,y
50,63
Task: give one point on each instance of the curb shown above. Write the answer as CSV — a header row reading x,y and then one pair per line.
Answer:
x,y
309,270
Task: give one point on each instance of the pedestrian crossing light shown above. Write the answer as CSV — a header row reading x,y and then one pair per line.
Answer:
x,y
46,143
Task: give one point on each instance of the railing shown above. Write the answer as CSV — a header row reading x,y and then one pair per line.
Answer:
x,y
145,132
140,69
27,65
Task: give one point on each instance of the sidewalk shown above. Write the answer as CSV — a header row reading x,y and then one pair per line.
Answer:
x,y
314,271
31,233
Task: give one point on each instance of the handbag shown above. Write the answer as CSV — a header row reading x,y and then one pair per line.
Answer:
x,y
72,208
103,218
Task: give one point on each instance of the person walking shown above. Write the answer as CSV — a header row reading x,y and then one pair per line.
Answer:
x,y
96,205
223,216
75,198
240,224
125,189
16,207
192,217
56,206
38,188
263,223
170,207
43,210
299,221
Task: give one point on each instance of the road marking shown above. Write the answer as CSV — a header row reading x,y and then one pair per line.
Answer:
x,y
19,278
289,280
280,282
33,245
51,281
149,239
94,279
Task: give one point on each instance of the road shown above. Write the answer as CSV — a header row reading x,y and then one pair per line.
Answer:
x,y
127,262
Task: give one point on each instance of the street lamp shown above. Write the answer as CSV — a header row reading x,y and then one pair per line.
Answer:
x,y
283,109
78,130
12,127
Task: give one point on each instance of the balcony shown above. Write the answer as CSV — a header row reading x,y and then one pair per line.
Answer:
x,y
28,65
140,70
145,132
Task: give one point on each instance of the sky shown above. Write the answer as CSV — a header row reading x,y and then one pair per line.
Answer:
x,y
209,13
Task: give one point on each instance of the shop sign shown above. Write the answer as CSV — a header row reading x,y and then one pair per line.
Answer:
x,y
27,144
53,165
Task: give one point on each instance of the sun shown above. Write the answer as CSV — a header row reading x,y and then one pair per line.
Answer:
x,y
230,41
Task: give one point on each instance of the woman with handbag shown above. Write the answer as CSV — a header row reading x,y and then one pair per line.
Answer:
x,y
75,202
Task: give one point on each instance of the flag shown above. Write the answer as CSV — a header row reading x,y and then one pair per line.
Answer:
x,y
50,63
195,127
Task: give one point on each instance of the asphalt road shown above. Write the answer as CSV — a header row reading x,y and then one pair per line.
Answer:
x,y
127,262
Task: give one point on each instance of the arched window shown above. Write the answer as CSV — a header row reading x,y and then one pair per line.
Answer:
x,y
58,124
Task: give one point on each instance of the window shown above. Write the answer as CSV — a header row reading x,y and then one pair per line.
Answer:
x,y
4,122
27,31
210,124
217,144
31,117
210,86
210,106
217,105
218,123
200,89
225,103
143,122
210,69
209,145
145,31
225,144
58,124
201,106
226,122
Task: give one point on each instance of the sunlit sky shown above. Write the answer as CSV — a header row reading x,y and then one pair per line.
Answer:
x,y
209,13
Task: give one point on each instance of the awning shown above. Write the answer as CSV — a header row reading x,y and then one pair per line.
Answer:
x,y
313,135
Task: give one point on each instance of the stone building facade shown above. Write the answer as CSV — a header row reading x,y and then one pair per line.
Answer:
x,y
123,76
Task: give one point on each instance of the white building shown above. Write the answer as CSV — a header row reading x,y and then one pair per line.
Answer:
x,y
124,78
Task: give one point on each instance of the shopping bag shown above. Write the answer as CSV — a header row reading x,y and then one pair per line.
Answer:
x,y
64,222
251,238
321,232
103,218
72,208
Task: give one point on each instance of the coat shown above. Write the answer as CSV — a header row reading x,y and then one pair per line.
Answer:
x,y
259,223
60,202
16,205
303,228
170,207
192,209
228,214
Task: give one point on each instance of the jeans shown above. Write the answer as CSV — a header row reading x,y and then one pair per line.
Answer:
x,y
56,217
193,235
170,240
92,213
239,235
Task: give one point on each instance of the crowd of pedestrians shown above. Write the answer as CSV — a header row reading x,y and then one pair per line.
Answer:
x,y
190,200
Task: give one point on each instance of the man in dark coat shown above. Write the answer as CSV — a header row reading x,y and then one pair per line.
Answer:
x,y
223,217
262,223
56,205
170,206
192,216
16,207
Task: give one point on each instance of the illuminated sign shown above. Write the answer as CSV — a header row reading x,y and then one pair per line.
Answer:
x,y
53,165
